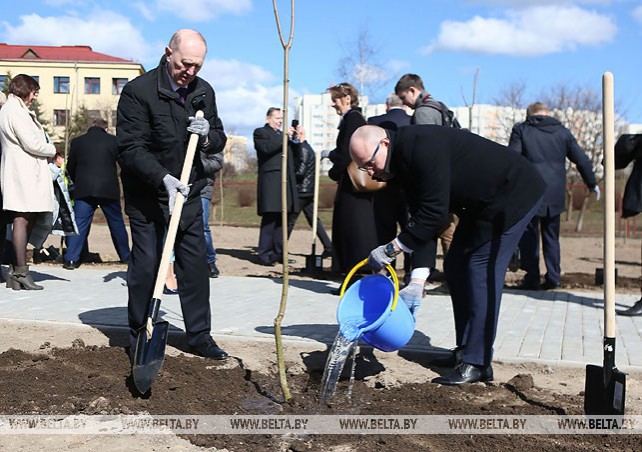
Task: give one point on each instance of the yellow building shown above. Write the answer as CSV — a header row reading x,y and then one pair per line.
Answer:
x,y
70,77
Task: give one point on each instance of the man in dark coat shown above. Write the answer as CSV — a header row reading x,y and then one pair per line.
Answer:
x,y
92,168
546,143
493,191
394,114
629,149
305,170
155,119
268,143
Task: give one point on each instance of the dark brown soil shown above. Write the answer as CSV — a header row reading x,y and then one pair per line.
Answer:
x,y
96,380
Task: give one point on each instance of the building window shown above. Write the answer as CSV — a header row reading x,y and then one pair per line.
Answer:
x,y
3,82
92,85
61,85
94,114
36,78
60,117
117,85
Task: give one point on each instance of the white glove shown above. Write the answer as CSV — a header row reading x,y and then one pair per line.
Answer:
x,y
378,258
411,296
172,185
597,192
198,125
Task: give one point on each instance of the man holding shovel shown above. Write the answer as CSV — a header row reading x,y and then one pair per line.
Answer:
x,y
156,116
494,192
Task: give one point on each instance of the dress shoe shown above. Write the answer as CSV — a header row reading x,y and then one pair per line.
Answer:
x,y
634,310
267,263
524,285
466,373
550,285
21,279
71,265
454,358
326,254
210,350
214,271
168,291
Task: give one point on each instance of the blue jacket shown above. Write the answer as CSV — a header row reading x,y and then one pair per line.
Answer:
x,y
546,143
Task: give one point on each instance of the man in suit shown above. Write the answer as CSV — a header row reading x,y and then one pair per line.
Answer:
x,y
156,117
495,193
92,168
268,143
394,114
546,143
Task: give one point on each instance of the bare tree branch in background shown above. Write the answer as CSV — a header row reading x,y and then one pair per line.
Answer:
x,y
513,97
360,67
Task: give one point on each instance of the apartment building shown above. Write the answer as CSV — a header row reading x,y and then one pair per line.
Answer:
x,y
70,77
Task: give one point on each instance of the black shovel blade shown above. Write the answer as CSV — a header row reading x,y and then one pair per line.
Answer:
x,y
604,391
149,355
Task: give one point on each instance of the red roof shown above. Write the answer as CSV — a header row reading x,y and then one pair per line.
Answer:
x,y
55,53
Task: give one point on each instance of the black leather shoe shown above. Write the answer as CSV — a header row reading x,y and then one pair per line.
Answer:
x,y
71,265
550,285
214,271
527,286
466,373
634,310
454,358
326,254
210,350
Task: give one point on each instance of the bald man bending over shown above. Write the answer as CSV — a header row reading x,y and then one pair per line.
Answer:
x,y
495,193
155,118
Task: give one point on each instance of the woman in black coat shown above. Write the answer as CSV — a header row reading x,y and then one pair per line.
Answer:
x,y
353,223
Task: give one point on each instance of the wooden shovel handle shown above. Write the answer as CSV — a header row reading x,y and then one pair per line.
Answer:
x,y
608,124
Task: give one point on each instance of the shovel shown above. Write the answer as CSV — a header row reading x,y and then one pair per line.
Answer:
x,y
314,262
152,337
605,389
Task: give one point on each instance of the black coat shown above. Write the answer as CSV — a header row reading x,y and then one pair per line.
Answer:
x,y
546,143
627,149
396,116
443,169
305,165
268,144
92,165
152,141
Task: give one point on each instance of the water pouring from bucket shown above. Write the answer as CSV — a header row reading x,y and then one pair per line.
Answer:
x,y
369,310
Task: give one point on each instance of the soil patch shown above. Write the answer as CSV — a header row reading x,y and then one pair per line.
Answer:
x,y
96,380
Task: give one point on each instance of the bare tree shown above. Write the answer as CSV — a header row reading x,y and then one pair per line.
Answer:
x,y
513,98
360,66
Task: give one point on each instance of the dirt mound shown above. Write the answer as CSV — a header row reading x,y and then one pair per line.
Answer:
x,y
96,380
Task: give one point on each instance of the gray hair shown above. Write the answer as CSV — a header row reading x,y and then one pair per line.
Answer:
x,y
175,40
393,101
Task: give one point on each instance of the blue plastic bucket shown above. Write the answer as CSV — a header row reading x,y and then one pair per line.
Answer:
x,y
369,310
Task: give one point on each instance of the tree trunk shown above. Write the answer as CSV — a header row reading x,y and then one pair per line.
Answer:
x,y
580,218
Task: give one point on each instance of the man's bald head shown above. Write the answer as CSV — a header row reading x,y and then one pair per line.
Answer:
x,y
185,55
369,150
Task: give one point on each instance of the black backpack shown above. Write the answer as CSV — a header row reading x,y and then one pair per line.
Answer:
x,y
447,116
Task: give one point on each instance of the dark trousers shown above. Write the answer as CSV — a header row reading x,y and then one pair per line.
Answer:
x,y
307,206
529,249
271,238
84,211
191,270
476,282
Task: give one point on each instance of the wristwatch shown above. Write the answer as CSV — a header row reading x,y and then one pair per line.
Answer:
x,y
390,250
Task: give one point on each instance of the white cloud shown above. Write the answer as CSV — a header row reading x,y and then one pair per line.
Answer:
x,y
532,31
105,32
244,91
203,10
637,14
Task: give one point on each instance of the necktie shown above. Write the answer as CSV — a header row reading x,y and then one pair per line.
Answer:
x,y
182,94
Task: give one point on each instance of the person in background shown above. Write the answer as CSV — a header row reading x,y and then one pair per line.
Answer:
x,y
156,117
25,177
354,231
305,170
495,193
212,164
268,143
629,149
546,143
92,168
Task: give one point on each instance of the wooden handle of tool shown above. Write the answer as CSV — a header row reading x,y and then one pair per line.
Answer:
x,y
315,200
176,215
608,118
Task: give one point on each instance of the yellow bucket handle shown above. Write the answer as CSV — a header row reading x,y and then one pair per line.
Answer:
x,y
392,272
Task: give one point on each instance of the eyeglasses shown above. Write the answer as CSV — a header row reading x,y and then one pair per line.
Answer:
x,y
370,162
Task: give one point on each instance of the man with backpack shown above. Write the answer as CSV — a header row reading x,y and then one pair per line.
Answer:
x,y
410,89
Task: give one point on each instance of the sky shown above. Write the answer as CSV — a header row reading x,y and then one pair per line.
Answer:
x,y
540,44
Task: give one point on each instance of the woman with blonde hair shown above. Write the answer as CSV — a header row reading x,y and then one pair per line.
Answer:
x,y
25,177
